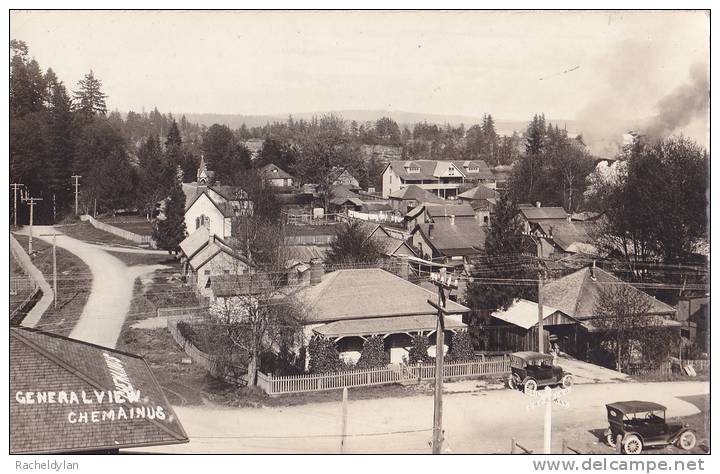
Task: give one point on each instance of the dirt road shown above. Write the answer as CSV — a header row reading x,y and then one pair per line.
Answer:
x,y
480,422
111,292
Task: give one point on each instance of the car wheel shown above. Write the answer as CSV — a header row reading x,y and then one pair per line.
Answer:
x,y
610,440
632,444
687,440
530,386
567,381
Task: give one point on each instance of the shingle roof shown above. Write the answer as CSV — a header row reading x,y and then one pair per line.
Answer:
x,y
565,234
215,245
78,378
367,293
537,213
195,241
523,313
576,294
478,192
397,324
430,169
464,237
305,253
272,171
415,192
225,208
447,210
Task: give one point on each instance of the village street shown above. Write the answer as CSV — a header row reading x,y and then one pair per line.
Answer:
x,y
477,422
112,286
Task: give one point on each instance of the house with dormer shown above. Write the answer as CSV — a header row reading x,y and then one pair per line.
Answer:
x,y
445,179
277,176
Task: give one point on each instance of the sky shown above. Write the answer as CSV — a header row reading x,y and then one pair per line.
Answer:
x,y
509,64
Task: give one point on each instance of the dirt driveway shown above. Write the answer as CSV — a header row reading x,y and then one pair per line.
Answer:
x,y
111,292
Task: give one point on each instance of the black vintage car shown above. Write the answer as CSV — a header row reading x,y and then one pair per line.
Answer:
x,y
530,370
642,424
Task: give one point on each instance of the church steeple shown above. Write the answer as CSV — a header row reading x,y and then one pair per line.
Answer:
x,y
203,176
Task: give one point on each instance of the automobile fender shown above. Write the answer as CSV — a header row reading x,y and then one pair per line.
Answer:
x,y
672,439
628,433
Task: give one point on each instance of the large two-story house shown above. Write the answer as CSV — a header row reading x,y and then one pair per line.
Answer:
x,y
445,179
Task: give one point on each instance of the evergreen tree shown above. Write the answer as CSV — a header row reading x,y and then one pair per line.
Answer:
x,y
89,99
351,246
156,176
171,230
173,147
60,134
504,245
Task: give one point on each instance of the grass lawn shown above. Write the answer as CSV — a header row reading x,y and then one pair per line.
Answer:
x,y
137,225
74,281
131,259
24,291
87,233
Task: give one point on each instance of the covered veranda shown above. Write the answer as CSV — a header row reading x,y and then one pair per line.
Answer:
x,y
397,332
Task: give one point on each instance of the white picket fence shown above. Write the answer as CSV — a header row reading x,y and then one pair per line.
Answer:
x,y
379,376
382,217
125,234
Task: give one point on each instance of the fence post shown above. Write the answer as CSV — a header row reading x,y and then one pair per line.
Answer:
x,y
618,444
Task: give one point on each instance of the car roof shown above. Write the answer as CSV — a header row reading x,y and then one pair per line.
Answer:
x,y
529,355
634,406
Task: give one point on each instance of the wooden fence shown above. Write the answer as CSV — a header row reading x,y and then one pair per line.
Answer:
x,y
701,365
379,376
125,234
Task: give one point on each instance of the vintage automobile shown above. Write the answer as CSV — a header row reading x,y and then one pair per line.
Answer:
x,y
641,424
530,370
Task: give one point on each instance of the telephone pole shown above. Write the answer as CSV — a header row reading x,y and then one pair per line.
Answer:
x,y
15,187
55,278
76,177
31,202
541,330
443,282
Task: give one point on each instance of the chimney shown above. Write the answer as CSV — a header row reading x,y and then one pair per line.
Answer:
x,y
452,219
592,272
550,230
537,203
316,271
430,227
569,218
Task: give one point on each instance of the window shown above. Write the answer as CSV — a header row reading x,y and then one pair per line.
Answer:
x,y
486,219
226,272
207,272
413,169
451,171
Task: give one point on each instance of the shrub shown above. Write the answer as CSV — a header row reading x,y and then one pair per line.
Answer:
x,y
373,354
418,351
461,347
324,356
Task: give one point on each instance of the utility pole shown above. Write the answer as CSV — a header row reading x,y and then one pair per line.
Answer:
x,y
55,278
15,187
443,282
76,177
343,436
31,202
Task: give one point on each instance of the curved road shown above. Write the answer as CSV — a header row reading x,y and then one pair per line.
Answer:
x,y
112,287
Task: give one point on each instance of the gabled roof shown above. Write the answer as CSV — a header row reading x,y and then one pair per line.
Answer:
x,y
344,191
305,253
225,208
577,293
534,213
523,313
431,169
464,237
230,193
272,171
478,192
367,293
194,242
415,192
57,382
569,236
215,245
386,244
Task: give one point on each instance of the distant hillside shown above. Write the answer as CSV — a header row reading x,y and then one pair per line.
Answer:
x,y
401,117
